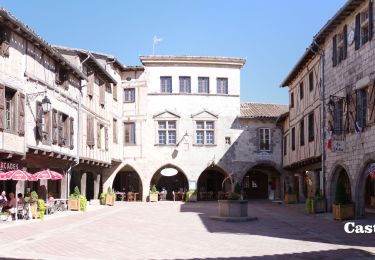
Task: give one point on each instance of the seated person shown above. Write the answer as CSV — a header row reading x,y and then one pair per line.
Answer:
x,y
20,200
11,206
3,199
163,194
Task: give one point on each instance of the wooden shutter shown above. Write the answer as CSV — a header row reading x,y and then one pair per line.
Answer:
x,y
2,106
39,122
351,111
370,20
71,133
357,34
102,94
334,51
47,126
371,103
54,126
90,84
90,131
60,129
21,114
98,135
345,41
114,91
106,138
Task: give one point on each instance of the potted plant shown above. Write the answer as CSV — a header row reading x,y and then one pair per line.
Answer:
x,y
290,196
74,200
153,197
309,205
33,202
41,208
234,207
4,216
318,203
110,197
102,198
342,208
191,196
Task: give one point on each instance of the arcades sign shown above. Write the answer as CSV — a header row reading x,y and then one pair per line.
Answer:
x,y
9,166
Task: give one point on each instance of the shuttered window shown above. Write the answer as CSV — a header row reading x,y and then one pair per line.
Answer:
x,y
203,85
185,85
361,108
311,127
371,104
90,131
129,133
311,80
54,126
293,138
338,119
114,91
114,126
90,84
10,109
364,26
71,133
291,100
301,90
285,145
264,139
166,84
222,85
302,132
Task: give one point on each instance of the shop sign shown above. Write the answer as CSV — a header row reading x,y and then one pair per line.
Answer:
x,y
262,156
8,166
338,146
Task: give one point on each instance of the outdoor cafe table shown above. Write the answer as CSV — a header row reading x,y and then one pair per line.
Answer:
x,y
179,195
61,204
121,194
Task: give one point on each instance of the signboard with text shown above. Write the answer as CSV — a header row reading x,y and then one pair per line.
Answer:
x,y
8,166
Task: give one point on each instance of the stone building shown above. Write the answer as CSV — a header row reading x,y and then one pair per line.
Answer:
x,y
344,48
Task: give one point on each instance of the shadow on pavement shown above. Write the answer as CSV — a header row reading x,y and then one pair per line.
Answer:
x,y
329,254
282,221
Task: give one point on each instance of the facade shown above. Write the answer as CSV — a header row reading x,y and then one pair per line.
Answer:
x,y
34,138
344,46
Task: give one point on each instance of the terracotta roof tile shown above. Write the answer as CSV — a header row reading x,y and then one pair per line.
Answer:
x,y
259,110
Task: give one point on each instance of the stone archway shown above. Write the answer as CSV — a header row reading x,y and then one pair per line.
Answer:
x,y
178,182
365,188
262,181
210,183
128,180
340,174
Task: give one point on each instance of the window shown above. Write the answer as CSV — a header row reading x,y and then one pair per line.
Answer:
x,y
114,130
4,41
291,100
203,85
166,84
285,145
100,136
129,95
338,117
10,109
311,80
185,85
302,132
361,110
167,132
301,90
363,27
227,140
311,127
63,129
264,139
205,132
222,85
129,133
293,138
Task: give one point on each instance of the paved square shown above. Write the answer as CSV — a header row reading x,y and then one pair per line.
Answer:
x,y
173,230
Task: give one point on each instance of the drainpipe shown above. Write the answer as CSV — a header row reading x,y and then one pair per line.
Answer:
x,y
321,53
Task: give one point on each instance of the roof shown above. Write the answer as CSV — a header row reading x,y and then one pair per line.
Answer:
x,y
9,20
92,61
259,110
201,60
346,10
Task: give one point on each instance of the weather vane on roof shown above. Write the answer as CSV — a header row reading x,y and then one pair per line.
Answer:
x,y
156,40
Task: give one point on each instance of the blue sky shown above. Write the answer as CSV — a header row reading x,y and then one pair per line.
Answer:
x,y
271,34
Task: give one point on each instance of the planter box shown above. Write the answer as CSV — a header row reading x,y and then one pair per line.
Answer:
x,y
372,203
233,208
34,210
290,198
153,197
318,205
73,204
342,212
109,200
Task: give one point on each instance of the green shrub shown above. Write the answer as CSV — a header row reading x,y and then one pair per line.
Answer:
x,y
76,191
102,197
153,189
82,203
189,194
234,196
309,205
41,208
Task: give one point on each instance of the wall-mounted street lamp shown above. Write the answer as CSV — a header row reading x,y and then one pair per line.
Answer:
x,y
175,151
46,104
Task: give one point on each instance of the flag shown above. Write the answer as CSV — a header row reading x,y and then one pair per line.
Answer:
x,y
357,128
330,141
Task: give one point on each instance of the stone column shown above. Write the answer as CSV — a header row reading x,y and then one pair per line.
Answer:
x,y
96,185
83,183
301,196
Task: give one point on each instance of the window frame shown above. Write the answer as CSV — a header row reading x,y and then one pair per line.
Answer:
x,y
301,90
166,88
132,133
201,88
12,110
361,107
262,137
293,142
167,130
131,95
338,117
311,127
185,84
311,80
206,132
220,88
291,99
302,132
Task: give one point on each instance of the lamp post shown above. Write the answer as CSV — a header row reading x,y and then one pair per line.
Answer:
x,y
46,104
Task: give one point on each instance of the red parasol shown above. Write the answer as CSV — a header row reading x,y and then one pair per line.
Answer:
x,y
19,175
3,176
48,175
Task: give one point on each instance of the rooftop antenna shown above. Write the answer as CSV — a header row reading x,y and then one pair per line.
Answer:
x,y
156,40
